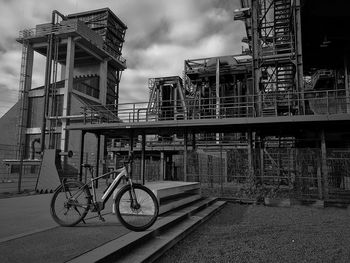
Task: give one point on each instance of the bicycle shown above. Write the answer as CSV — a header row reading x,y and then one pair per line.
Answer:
x,y
136,206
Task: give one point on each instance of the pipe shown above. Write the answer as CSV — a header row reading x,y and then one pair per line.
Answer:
x,y
32,148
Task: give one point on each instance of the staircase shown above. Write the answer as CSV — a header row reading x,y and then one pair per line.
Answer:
x,y
285,77
269,108
148,245
282,27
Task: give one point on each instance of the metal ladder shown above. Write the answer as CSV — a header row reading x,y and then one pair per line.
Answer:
x,y
23,101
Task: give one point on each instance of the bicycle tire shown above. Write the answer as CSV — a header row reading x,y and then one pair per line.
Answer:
x,y
70,203
136,219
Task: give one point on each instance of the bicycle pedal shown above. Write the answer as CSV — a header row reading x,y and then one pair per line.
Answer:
x,y
102,219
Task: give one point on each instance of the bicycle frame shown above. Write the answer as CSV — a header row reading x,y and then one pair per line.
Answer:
x,y
122,172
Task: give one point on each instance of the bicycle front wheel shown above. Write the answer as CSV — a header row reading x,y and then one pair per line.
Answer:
x,y
70,203
136,207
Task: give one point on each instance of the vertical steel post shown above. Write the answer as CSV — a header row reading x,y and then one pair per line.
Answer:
x,y
185,155
98,156
324,168
131,141
262,166
68,87
143,155
162,165
256,48
299,57
250,156
46,91
217,92
347,88
81,157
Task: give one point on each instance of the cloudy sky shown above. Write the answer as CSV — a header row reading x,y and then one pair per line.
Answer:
x,y
161,35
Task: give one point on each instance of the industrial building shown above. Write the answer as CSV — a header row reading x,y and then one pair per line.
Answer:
x,y
273,120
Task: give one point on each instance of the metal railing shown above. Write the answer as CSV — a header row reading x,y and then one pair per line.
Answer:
x,y
281,103
67,26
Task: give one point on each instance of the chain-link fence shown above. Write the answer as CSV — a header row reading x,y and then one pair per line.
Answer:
x,y
221,171
15,177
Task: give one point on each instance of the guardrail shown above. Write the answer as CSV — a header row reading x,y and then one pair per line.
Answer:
x,y
67,26
249,106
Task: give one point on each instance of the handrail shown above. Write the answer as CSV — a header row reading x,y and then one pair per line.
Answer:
x,y
281,103
71,25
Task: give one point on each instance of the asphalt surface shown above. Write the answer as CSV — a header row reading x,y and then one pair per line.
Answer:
x,y
28,233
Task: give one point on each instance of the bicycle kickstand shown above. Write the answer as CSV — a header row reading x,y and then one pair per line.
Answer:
x,y
100,216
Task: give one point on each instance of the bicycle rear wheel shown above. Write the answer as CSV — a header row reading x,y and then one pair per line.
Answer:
x,y
70,203
139,214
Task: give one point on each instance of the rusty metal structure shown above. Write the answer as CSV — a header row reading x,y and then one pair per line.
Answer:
x,y
275,117
84,62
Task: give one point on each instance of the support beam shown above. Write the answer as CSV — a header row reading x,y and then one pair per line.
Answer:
x,y
193,141
48,68
131,142
103,82
319,180
185,156
143,155
346,80
256,48
81,157
162,165
299,57
68,87
217,86
262,166
324,168
250,157
98,156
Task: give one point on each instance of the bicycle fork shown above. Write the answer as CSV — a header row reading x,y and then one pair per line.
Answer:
x,y
134,204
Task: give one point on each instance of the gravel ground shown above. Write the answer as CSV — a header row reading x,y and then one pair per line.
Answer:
x,y
241,233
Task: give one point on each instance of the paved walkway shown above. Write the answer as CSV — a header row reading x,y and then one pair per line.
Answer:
x,y
26,223
24,215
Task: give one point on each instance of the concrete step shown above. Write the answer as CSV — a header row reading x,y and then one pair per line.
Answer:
x,y
158,245
126,245
172,194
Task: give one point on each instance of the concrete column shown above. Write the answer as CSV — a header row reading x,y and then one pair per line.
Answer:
x,y
103,82
68,87
29,68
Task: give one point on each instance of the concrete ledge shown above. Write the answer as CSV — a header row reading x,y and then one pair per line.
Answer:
x,y
277,202
311,203
175,204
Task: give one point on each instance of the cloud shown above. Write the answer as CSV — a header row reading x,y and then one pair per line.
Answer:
x,y
160,36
